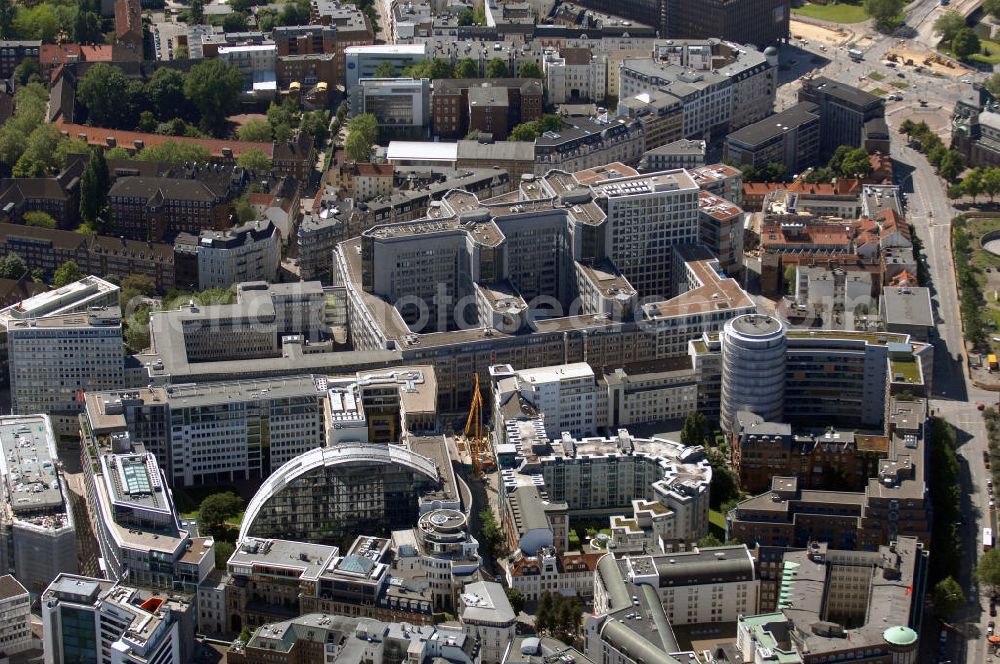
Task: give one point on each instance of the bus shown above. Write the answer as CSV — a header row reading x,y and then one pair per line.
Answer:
x,y
856,54
987,539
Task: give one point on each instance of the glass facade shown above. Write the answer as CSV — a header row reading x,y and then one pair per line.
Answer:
x,y
79,636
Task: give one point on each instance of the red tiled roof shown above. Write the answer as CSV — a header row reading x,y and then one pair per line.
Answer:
x,y
128,18
97,53
258,198
904,278
56,54
126,139
374,170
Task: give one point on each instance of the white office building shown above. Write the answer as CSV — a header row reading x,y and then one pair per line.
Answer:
x,y
37,532
55,359
362,61
575,75
401,106
486,614
567,394
15,616
94,620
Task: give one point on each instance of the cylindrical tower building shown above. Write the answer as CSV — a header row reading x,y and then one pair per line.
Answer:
x,y
753,368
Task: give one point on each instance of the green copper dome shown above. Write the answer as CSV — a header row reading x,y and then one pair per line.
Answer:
x,y
899,636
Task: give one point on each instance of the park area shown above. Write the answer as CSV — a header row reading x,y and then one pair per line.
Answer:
x,y
976,246
835,12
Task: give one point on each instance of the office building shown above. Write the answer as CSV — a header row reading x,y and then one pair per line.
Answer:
x,y
37,529
720,229
90,620
574,75
892,504
318,498
721,86
15,617
758,22
309,638
791,138
401,106
440,548
487,617
53,360
362,61
753,368
133,515
662,118
269,579
843,109
842,605
304,39
584,142
908,310
219,259
976,127
76,297
211,433
682,153
535,575
257,63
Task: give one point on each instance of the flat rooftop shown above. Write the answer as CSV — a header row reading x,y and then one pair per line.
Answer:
x,y
207,394
300,559
30,475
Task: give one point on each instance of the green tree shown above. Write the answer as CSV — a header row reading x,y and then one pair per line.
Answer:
x,y
38,22
885,12
725,484
117,152
6,18
216,508
494,542
94,186
972,183
12,266
385,69
243,210
39,219
693,433
820,175
993,84
529,70
234,22
197,12
255,131
165,92
992,7
991,182
516,599
223,552
181,52
479,13
254,159
948,24
544,614
856,164
135,287
100,92
24,72
951,165
147,122
550,122
317,125
466,16
947,597
366,125
174,152
357,148
496,68
965,43
39,156
467,68
988,570
708,541
432,69
789,279
526,131
214,86
87,27
66,273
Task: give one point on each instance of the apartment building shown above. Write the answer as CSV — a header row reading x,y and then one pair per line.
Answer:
x,y
304,39
401,106
37,529
791,138
88,619
441,549
486,615
14,52
53,360
550,572
681,153
453,114
219,259
843,110
15,617
158,208
721,86
56,195
46,249
584,142
662,118
133,515
720,229
574,75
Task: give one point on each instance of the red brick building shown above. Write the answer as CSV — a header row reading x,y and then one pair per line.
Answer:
x,y
490,105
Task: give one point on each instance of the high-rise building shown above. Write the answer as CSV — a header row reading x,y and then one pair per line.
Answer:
x,y
753,368
94,620
55,359
37,529
844,110
15,616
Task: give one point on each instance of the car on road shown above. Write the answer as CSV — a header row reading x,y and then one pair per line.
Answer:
x,y
966,80
900,74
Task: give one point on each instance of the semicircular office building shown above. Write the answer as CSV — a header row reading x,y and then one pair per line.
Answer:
x,y
753,368
330,493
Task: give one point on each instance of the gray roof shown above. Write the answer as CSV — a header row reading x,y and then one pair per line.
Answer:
x,y
502,151
486,602
841,91
777,124
681,147
11,587
907,306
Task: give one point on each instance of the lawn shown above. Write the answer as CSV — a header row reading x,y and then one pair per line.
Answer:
x,y
717,524
837,12
991,55
875,76
879,92
902,85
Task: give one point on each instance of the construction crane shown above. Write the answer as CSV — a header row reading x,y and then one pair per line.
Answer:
x,y
474,423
